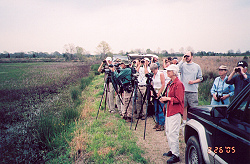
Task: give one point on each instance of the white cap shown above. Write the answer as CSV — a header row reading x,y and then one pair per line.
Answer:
x,y
109,59
173,67
146,59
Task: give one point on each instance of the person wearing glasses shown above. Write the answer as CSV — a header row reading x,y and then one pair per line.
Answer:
x,y
221,91
191,75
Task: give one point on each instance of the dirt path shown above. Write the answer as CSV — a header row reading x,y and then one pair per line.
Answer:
x,y
155,143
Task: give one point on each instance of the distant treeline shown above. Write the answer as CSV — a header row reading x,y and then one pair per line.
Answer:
x,y
76,56
204,53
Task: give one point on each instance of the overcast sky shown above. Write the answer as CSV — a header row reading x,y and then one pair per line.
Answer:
x,y
47,25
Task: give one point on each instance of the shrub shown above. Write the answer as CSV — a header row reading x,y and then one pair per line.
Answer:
x,y
75,93
94,68
205,87
69,115
86,81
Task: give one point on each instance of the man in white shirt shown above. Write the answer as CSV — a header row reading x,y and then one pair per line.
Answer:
x,y
143,69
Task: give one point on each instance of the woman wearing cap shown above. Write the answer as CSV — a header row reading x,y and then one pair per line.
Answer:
x,y
174,99
158,85
221,91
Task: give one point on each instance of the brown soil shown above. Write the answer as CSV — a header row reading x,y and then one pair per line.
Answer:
x,y
155,143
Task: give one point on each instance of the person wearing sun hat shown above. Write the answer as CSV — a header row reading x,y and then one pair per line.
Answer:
x,y
174,99
241,79
221,91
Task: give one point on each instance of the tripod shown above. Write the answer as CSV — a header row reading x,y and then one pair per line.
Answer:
x,y
146,98
105,91
134,96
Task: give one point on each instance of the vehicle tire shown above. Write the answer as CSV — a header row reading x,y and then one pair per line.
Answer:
x,y
193,154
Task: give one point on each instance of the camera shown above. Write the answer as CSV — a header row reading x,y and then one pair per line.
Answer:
x,y
237,69
106,71
219,98
149,75
143,61
186,56
134,62
117,65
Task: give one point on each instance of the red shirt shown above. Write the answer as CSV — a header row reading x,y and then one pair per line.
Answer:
x,y
176,92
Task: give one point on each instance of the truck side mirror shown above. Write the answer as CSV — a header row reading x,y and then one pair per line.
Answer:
x,y
219,112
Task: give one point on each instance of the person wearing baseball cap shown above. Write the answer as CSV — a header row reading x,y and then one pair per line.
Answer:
x,y
175,60
221,91
239,77
174,104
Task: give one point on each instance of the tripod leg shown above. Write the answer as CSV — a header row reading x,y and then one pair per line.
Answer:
x,y
107,87
148,99
143,97
104,91
134,104
128,103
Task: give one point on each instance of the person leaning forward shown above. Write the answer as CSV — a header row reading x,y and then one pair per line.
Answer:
x,y
125,77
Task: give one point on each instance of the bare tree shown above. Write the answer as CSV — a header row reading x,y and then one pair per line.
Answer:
x,y
171,51
104,49
80,52
182,50
70,48
189,48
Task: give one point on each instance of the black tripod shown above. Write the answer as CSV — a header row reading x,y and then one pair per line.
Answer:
x,y
133,95
146,98
105,90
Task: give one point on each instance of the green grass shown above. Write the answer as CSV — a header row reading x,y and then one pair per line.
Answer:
x,y
107,139
205,86
38,109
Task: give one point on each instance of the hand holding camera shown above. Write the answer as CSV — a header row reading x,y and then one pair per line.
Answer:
x,y
220,98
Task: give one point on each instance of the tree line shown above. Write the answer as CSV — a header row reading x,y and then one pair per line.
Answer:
x,y
72,52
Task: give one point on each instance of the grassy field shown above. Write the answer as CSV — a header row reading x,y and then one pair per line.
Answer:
x,y
45,116
29,93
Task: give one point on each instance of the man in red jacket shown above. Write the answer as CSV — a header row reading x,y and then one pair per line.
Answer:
x,y
174,100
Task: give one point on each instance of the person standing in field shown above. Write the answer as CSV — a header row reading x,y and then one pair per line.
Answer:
x,y
174,99
110,88
191,75
158,84
241,79
155,60
221,91
166,62
142,69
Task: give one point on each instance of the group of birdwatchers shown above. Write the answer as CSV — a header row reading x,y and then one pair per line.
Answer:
x,y
176,89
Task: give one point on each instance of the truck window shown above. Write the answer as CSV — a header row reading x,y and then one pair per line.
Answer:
x,y
243,111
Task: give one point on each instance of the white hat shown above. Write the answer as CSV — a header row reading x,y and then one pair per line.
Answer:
x,y
146,59
173,67
109,59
